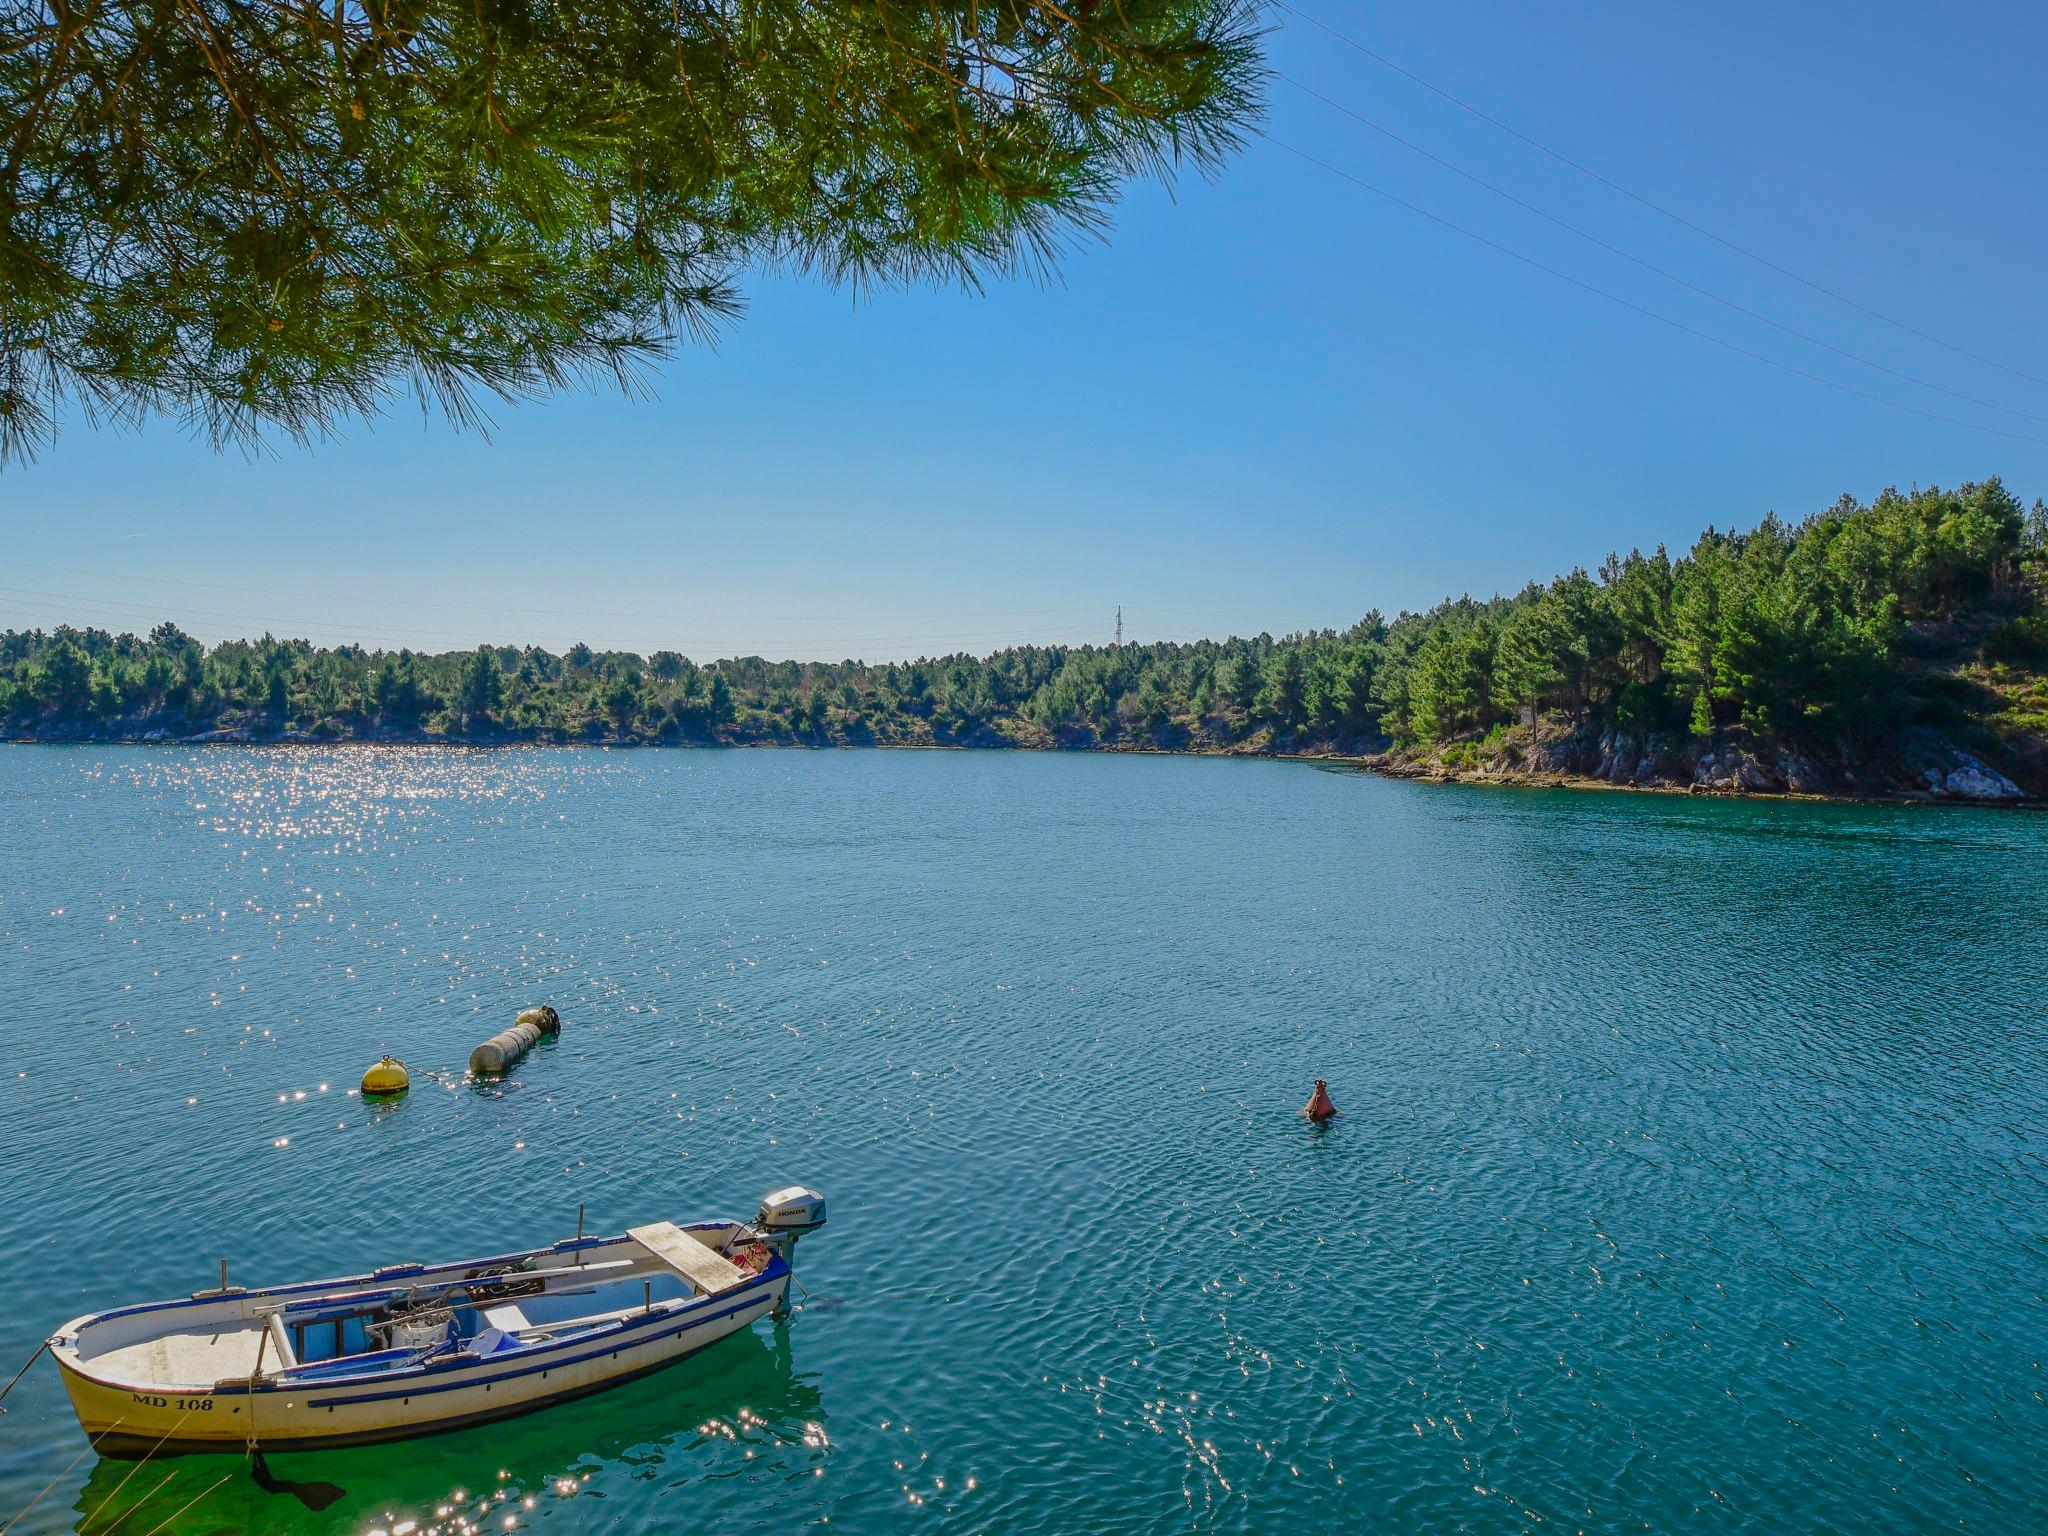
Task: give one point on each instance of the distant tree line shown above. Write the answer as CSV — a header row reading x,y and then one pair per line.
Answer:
x,y
1857,620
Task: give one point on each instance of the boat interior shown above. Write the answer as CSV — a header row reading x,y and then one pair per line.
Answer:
x,y
410,1315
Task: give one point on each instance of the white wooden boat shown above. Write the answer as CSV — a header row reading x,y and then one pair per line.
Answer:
x,y
413,1349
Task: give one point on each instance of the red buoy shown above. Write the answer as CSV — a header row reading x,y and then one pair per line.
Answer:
x,y
1319,1106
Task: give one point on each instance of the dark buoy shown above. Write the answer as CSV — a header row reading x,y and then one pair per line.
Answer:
x,y
1319,1106
501,1050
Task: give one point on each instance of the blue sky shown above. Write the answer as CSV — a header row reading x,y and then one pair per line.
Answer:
x,y
1272,400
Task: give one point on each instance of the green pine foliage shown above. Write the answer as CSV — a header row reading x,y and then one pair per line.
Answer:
x,y
1861,620
275,215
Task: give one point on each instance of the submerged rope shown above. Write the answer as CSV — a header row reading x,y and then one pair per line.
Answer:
x,y
202,1493
159,1488
103,1503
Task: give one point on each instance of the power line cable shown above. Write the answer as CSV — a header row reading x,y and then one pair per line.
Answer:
x,y
114,610
927,646
1648,266
606,613
94,612
880,654
149,611
1677,218
563,613
1630,304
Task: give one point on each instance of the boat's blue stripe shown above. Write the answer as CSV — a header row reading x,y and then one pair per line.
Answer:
x,y
612,1333
552,1363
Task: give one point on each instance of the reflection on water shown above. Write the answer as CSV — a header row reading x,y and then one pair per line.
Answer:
x,y
1684,1178
739,1412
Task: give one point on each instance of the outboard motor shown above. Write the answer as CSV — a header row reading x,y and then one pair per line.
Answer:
x,y
785,1216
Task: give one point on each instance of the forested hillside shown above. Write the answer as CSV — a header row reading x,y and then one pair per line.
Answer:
x,y
1898,646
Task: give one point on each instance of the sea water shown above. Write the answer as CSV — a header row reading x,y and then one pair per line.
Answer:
x,y
1690,1174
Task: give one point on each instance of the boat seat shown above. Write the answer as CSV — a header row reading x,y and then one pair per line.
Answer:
x,y
490,1341
708,1272
506,1316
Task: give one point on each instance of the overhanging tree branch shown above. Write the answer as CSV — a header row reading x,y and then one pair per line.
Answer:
x,y
270,215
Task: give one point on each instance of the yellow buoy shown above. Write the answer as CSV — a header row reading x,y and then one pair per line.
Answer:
x,y
387,1077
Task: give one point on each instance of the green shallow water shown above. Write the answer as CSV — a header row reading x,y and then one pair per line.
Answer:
x,y
1691,1174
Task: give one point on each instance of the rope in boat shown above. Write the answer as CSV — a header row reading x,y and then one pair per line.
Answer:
x,y
32,1359
315,1496
74,1461
255,1374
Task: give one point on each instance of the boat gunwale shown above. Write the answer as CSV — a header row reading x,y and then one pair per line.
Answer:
x,y
418,1378
63,1344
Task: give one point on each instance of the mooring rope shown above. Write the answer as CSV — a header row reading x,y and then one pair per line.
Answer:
x,y
32,1359
74,1461
103,1503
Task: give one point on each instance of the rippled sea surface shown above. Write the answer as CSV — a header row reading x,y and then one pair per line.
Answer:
x,y
1690,1175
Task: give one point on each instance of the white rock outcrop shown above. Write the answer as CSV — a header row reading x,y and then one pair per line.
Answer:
x,y
1971,780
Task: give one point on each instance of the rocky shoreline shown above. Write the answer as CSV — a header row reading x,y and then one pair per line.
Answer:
x,y
1923,767
1918,767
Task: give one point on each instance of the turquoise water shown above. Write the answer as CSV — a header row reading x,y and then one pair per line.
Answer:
x,y
1691,1172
